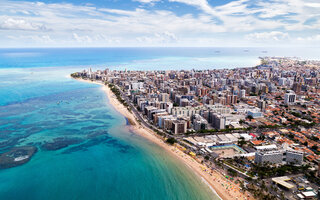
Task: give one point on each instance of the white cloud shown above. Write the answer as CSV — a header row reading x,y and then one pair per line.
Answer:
x,y
266,36
87,25
42,39
310,38
202,4
82,39
313,5
159,38
146,1
9,23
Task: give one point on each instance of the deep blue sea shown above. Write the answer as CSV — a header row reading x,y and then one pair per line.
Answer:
x,y
40,104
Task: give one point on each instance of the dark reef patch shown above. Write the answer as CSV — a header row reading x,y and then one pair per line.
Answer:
x,y
98,138
91,142
9,143
16,156
59,143
91,128
102,116
97,121
97,133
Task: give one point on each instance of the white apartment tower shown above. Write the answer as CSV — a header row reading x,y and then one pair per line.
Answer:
x,y
289,98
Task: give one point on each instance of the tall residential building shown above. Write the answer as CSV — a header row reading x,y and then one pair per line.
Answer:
x,y
231,99
218,121
242,93
297,87
179,126
282,81
164,97
262,104
184,102
289,98
199,123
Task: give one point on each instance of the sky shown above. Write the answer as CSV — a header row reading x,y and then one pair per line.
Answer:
x,y
160,23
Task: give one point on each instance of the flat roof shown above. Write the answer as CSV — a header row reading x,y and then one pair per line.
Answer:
x,y
223,138
300,196
282,181
271,146
199,139
309,194
237,135
191,140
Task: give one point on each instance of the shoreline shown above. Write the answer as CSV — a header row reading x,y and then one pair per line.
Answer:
x,y
214,180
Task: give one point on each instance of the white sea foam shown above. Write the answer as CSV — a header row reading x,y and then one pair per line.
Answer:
x,y
20,158
206,182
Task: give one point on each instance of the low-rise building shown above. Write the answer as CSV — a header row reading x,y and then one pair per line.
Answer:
x,y
279,157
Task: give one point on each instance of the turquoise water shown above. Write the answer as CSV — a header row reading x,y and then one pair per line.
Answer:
x,y
38,105
147,58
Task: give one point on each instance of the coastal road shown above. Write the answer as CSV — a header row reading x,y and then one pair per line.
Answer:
x,y
137,113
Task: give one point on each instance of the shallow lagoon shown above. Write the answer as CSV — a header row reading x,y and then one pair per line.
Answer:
x,y
106,161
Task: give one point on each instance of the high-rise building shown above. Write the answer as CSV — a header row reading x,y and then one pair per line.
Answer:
x,y
262,104
179,126
218,121
282,81
184,102
297,87
289,98
242,93
164,97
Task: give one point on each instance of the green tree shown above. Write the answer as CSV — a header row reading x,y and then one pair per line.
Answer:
x,y
171,140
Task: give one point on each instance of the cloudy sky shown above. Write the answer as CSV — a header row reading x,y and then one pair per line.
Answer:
x,y
110,23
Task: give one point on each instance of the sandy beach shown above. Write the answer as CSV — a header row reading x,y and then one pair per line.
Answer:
x,y
224,188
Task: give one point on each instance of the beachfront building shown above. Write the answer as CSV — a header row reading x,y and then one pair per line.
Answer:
x,y
179,127
281,156
187,111
272,157
218,121
199,123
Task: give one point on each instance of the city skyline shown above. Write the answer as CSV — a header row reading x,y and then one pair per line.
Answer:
x,y
164,23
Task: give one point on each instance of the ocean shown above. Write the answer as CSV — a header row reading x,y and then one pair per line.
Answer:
x,y
84,148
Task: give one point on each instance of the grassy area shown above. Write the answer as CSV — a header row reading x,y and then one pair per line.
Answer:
x,y
267,171
231,165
